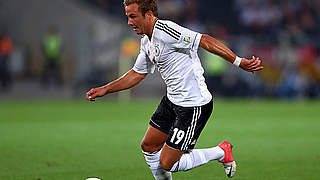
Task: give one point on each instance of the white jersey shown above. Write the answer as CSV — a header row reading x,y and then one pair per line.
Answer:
x,y
173,50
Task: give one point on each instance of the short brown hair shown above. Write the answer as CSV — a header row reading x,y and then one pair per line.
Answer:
x,y
144,5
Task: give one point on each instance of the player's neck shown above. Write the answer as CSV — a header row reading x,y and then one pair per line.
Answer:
x,y
152,24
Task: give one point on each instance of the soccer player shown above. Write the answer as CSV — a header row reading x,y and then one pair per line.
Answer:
x,y
183,112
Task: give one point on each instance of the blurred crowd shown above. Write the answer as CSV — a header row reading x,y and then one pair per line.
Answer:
x,y
285,34
51,49
5,51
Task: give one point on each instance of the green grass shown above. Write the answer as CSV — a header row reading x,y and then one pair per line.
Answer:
x,y
62,140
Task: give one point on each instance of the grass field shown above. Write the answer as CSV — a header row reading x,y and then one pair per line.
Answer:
x,y
73,140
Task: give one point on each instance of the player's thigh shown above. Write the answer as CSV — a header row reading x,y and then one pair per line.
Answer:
x,y
153,140
159,127
164,116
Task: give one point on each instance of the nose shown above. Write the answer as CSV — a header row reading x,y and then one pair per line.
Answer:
x,y
129,22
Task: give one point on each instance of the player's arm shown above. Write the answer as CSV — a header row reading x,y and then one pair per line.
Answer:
x,y
128,80
214,46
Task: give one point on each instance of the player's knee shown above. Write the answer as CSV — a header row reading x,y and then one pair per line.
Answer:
x,y
148,147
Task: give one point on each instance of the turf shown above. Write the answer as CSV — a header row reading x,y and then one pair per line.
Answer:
x,y
73,140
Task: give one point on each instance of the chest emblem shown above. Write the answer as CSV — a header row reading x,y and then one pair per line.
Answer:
x,y
157,50
154,52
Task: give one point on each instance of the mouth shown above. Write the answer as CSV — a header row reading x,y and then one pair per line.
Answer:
x,y
135,28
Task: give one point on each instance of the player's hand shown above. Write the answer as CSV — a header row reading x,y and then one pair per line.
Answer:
x,y
251,65
95,92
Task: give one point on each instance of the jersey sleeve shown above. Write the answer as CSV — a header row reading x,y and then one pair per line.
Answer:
x,y
180,37
143,65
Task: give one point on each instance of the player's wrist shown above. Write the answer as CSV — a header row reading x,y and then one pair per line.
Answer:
x,y
237,61
105,89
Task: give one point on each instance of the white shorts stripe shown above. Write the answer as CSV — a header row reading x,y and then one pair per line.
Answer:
x,y
199,114
189,130
190,133
185,139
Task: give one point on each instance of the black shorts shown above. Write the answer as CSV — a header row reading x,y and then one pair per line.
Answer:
x,y
182,124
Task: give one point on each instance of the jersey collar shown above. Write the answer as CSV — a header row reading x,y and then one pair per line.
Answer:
x,y
153,30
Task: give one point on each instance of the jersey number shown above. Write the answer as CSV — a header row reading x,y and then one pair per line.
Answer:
x,y
179,134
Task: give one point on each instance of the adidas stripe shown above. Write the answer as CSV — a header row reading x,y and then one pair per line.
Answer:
x,y
191,129
170,31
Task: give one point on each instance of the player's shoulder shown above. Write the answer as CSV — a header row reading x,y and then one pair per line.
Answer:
x,y
168,29
168,23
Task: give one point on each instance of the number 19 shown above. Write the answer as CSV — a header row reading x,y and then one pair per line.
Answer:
x,y
179,134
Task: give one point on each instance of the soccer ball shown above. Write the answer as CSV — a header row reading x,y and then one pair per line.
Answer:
x,y
93,179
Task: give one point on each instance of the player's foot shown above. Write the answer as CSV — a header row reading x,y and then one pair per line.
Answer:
x,y
228,162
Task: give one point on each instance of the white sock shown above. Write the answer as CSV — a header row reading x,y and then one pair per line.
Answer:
x,y
197,157
153,161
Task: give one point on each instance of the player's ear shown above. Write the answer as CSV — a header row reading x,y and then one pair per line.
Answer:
x,y
149,14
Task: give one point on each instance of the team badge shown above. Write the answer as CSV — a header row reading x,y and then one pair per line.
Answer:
x,y
187,39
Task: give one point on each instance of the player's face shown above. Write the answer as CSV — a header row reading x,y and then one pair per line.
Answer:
x,y
135,18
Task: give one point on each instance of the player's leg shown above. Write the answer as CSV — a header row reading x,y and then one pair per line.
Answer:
x,y
176,154
155,138
190,121
151,148
176,160
169,157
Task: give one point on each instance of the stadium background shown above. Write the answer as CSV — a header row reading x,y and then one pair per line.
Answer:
x,y
51,132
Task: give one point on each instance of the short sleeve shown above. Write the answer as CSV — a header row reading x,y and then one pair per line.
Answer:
x,y
180,37
143,64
